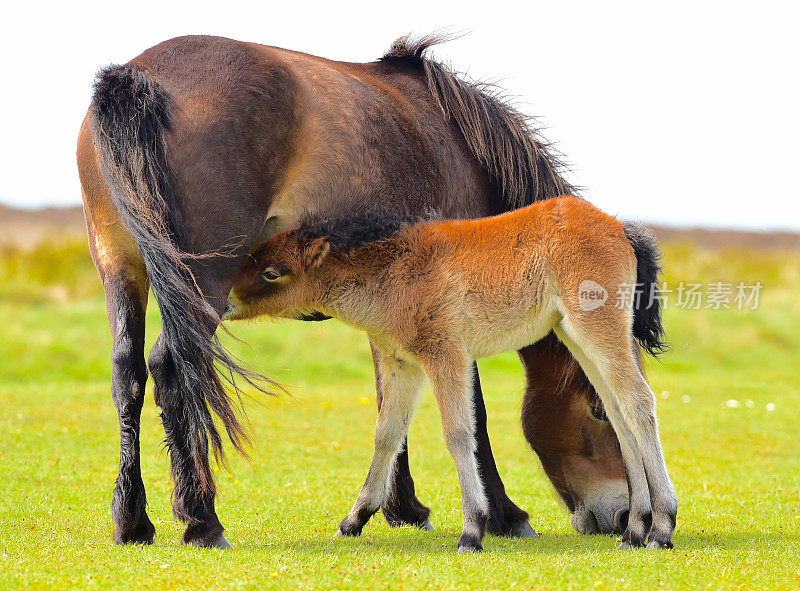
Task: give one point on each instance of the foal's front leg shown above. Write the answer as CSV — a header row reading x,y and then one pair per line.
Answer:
x,y
401,381
451,379
401,504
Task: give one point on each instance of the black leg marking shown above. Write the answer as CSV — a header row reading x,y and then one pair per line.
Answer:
x,y
505,518
636,539
402,505
473,541
662,540
193,503
128,379
352,527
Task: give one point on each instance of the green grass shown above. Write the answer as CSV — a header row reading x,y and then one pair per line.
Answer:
x,y
735,469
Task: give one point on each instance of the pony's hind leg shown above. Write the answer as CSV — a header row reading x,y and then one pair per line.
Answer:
x,y
639,515
126,300
401,382
124,278
450,378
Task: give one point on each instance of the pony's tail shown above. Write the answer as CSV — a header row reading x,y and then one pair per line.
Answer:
x,y
130,114
647,326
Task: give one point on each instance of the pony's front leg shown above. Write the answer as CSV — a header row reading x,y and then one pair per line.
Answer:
x,y
451,379
401,381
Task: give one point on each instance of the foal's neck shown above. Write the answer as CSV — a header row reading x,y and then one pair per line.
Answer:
x,y
357,287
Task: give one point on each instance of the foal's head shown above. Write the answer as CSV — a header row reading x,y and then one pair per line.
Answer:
x,y
284,276
280,278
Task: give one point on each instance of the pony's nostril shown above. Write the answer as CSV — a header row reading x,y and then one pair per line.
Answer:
x,y
621,521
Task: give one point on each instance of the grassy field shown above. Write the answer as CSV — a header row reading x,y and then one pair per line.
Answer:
x,y
735,464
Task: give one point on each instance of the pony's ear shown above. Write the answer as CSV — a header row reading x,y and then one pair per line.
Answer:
x,y
315,252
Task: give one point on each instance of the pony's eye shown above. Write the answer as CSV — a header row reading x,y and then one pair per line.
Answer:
x,y
271,275
598,412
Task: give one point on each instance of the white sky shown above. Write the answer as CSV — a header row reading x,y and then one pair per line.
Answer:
x,y
680,113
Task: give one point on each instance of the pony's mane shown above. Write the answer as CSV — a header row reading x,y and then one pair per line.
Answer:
x,y
524,165
348,234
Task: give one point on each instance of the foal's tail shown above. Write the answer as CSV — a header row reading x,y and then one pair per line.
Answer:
x,y
130,114
647,326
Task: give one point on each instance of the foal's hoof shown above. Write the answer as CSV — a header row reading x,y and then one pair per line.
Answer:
x,y
221,543
427,525
631,539
524,530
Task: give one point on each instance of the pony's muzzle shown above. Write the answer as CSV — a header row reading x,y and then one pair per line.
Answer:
x,y
621,521
604,510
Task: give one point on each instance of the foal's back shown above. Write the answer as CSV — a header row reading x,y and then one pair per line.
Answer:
x,y
518,271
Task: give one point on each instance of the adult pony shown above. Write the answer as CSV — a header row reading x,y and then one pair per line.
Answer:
x,y
202,147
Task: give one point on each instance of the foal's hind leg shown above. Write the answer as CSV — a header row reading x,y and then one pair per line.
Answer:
x,y
126,300
635,533
401,381
636,403
632,403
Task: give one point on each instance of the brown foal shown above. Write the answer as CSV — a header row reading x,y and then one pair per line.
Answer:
x,y
434,296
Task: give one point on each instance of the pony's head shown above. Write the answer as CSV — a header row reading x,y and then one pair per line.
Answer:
x,y
574,440
280,278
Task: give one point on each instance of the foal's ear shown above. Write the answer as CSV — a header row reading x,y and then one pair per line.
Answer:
x,y
315,252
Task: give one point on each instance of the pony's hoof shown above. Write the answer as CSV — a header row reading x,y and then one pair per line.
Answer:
x,y
524,530
469,548
427,525
467,544
655,545
346,533
221,543
142,533
625,546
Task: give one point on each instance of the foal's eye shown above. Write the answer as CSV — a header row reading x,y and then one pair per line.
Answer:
x,y
271,275
598,412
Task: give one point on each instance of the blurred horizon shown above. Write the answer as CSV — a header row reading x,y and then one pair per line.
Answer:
x,y
683,117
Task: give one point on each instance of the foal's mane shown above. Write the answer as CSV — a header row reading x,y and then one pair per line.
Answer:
x,y
523,164
350,233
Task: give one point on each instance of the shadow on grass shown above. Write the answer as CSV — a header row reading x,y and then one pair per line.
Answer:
x,y
406,542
